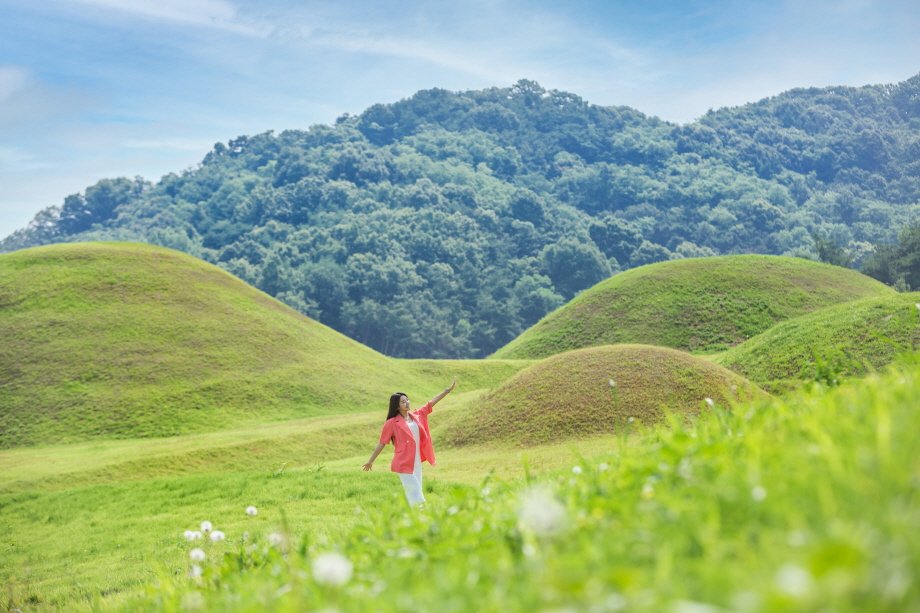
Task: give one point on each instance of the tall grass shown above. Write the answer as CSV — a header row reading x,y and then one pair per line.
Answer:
x,y
805,504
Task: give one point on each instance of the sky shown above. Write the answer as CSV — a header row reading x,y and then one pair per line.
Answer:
x,y
91,89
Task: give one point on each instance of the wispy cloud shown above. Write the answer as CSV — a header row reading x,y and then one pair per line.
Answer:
x,y
217,14
13,79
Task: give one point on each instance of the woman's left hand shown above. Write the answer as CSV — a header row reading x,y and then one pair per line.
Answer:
x,y
451,386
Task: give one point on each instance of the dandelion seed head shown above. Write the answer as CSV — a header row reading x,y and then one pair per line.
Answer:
x,y
332,569
275,539
710,402
648,491
486,491
758,493
794,580
576,470
189,535
613,383
452,510
195,571
540,512
602,467
217,536
206,526
196,554
252,510
631,419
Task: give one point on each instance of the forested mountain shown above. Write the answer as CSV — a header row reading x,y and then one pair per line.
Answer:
x,y
444,224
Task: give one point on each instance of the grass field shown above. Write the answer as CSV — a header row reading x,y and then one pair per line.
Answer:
x,y
703,305
804,504
848,339
99,520
119,340
143,392
570,396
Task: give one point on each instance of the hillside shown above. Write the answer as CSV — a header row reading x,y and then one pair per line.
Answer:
x,y
700,305
842,336
569,396
446,224
121,340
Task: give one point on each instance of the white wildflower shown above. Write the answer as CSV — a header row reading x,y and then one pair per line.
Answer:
x,y
195,571
197,554
710,402
613,383
252,510
189,535
332,569
206,526
196,535
452,510
794,580
217,536
576,470
689,606
602,467
541,512
275,539
758,493
486,491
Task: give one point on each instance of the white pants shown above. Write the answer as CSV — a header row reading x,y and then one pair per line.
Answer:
x,y
412,483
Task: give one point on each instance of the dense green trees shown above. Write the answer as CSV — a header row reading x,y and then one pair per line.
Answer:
x,y
444,224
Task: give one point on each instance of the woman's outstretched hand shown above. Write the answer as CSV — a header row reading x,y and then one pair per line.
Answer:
x,y
367,465
450,388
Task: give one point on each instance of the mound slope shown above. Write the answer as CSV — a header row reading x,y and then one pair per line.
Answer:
x,y
569,396
701,305
842,334
121,340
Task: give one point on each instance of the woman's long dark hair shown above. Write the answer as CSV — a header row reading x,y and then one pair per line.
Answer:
x,y
394,407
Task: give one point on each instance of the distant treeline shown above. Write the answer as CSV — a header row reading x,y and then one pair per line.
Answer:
x,y
445,224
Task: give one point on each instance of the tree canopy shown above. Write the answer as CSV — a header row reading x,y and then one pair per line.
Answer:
x,y
444,224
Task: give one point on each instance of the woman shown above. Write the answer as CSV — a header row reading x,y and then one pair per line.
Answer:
x,y
408,431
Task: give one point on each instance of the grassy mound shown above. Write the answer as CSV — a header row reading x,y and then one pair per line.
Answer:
x,y
120,340
702,305
840,337
570,396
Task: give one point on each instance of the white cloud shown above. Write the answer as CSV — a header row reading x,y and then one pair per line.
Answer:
x,y
217,14
13,79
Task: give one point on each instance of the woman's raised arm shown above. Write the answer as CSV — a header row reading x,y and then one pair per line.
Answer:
x,y
446,391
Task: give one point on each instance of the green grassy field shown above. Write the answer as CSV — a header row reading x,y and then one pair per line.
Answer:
x,y
699,305
143,392
804,504
570,396
99,520
119,340
849,339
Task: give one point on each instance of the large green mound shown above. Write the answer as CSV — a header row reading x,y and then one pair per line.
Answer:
x,y
702,305
118,340
570,396
846,338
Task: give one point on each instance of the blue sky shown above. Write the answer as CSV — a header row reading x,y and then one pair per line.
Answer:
x,y
103,88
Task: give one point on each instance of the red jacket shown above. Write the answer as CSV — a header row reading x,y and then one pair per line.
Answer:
x,y
397,431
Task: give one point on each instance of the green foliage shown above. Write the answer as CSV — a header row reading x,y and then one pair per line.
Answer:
x,y
763,508
830,252
456,197
898,265
698,305
848,338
